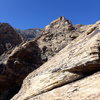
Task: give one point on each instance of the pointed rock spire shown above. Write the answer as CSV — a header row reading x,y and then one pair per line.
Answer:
x,y
59,23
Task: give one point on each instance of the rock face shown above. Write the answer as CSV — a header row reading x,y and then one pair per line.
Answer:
x,y
78,59
16,64
85,89
61,54
29,34
30,55
56,36
8,38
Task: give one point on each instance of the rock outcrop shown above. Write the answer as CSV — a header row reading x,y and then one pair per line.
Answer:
x,y
32,54
84,89
79,58
17,63
56,36
17,66
61,54
8,38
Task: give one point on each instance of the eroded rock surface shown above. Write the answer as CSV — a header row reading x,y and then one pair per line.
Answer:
x,y
70,52
56,36
17,63
85,89
78,59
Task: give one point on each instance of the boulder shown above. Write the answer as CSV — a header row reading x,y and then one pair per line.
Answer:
x,y
56,36
22,60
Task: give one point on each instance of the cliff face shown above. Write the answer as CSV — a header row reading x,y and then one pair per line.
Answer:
x,y
29,34
62,54
78,59
8,38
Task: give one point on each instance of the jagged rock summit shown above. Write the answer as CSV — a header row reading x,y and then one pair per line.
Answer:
x,y
61,21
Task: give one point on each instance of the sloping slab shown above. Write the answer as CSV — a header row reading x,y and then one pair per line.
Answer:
x,y
84,89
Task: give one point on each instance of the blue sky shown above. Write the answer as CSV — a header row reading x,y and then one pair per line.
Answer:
x,y
26,14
